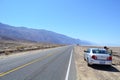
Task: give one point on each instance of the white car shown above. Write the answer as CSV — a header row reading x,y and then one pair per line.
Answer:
x,y
97,56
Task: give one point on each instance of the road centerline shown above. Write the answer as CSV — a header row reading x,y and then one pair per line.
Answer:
x,y
24,65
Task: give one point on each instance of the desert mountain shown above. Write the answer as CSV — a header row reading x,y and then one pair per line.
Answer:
x,y
37,35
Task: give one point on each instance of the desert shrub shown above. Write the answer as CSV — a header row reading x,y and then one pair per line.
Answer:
x,y
20,48
7,52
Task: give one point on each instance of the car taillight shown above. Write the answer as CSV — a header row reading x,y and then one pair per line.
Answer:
x,y
94,57
109,58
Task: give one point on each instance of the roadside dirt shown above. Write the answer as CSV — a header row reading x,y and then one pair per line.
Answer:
x,y
11,47
96,72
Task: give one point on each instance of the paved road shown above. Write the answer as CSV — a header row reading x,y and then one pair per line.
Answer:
x,y
50,64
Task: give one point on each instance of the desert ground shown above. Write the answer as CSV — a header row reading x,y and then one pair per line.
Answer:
x,y
97,72
9,47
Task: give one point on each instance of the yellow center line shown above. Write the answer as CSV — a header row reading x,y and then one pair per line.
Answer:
x,y
17,68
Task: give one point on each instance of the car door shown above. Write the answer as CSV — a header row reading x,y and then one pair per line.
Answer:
x,y
87,54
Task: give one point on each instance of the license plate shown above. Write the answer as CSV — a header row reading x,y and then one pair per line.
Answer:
x,y
102,62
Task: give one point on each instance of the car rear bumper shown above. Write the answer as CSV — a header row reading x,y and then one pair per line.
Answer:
x,y
100,62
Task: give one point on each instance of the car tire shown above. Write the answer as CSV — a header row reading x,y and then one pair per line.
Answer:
x,y
84,59
88,62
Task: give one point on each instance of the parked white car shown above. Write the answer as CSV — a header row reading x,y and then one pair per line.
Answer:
x,y
97,56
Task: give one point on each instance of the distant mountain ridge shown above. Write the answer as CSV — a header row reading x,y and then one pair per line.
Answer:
x,y
36,35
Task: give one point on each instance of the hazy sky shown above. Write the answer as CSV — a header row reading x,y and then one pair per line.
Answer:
x,y
92,20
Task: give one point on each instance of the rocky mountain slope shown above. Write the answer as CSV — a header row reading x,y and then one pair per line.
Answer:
x,y
8,32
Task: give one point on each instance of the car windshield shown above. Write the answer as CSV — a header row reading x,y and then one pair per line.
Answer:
x,y
99,51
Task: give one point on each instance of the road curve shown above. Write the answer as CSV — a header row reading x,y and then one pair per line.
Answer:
x,y
50,64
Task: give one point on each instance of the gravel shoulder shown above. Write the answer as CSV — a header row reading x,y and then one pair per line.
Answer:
x,y
95,72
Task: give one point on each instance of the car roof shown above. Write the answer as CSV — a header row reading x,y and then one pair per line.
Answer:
x,y
96,48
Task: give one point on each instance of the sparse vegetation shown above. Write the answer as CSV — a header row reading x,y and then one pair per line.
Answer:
x,y
8,47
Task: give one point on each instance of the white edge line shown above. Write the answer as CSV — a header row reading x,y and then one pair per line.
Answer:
x,y
68,69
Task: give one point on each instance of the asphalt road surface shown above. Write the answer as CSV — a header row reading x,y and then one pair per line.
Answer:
x,y
50,64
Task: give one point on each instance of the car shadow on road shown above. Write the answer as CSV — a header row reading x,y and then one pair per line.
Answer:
x,y
105,68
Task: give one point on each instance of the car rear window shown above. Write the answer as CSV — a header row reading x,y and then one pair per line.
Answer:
x,y
99,51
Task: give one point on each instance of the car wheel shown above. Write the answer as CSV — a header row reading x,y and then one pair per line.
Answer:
x,y
88,62
84,59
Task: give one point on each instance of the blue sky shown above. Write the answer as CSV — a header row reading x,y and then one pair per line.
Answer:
x,y
92,20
